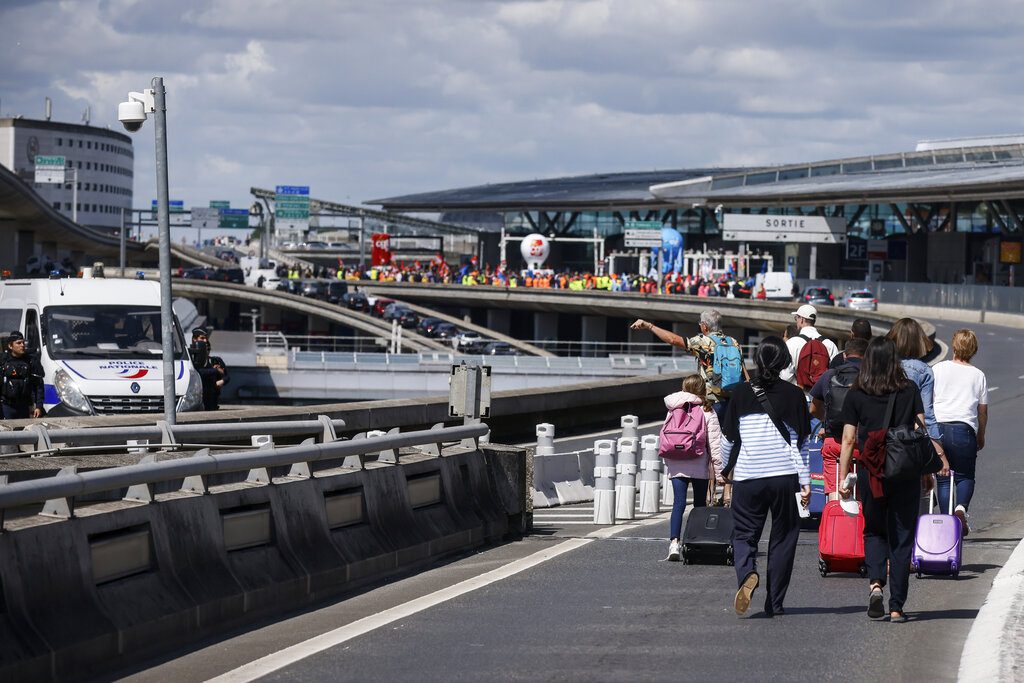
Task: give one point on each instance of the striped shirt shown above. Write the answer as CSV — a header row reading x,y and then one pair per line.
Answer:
x,y
753,444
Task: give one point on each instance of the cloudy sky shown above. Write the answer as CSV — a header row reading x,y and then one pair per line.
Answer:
x,y
371,98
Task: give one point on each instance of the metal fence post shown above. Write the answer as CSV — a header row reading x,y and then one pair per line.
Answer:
x,y
650,474
604,481
625,479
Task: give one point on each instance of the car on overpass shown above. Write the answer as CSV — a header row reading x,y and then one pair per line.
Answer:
x,y
355,301
498,348
859,300
818,296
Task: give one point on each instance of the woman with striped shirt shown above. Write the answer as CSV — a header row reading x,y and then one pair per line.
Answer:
x,y
766,470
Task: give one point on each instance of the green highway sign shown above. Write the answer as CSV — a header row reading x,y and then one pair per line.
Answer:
x,y
50,169
220,204
234,218
643,225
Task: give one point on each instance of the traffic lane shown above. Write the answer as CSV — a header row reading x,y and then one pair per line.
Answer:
x,y
216,656
612,611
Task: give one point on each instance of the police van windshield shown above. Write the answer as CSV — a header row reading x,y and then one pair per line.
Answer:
x,y
94,331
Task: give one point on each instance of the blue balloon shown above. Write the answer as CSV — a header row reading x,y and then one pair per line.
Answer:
x,y
672,242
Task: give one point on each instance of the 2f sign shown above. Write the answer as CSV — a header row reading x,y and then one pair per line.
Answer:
x,y
856,250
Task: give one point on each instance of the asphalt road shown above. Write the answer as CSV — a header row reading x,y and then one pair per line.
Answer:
x,y
612,610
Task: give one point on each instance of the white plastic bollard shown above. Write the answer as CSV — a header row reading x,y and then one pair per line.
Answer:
x,y
545,439
625,479
667,495
650,475
630,427
604,481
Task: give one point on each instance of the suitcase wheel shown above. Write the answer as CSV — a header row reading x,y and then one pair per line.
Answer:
x,y
919,575
823,567
863,571
954,570
728,557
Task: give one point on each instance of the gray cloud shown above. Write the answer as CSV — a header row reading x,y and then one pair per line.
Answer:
x,y
369,99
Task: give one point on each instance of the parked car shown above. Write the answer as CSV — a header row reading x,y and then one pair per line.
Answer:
x,y
818,296
334,290
199,273
235,275
316,245
409,318
446,331
498,348
355,301
314,289
468,342
860,300
394,311
426,325
379,305
290,286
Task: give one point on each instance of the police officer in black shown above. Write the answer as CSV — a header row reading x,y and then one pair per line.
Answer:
x,y
21,380
212,369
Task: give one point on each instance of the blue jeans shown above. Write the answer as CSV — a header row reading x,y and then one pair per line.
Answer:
x,y
961,446
700,497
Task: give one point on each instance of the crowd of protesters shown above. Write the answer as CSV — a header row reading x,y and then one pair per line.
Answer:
x,y
438,271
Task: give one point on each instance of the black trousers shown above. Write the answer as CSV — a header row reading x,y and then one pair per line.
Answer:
x,y
21,412
752,500
890,524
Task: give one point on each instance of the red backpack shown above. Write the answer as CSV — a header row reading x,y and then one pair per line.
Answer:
x,y
684,434
812,363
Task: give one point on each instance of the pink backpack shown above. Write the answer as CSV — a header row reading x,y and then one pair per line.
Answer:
x,y
684,434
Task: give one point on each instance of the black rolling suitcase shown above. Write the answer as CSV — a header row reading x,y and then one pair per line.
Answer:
x,y
707,537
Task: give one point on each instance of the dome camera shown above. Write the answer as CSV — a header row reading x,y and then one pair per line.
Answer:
x,y
132,113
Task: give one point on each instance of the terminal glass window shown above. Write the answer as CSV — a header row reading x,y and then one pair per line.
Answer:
x,y
792,173
949,158
925,160
728,181
761,178
888,163
105,331
980,156
856,166
830,169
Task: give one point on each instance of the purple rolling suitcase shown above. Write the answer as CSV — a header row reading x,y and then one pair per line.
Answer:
x,y
938,544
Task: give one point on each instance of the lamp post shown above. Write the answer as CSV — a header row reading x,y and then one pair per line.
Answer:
x,y
132,115
257,210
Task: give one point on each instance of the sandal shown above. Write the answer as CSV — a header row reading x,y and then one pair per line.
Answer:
x,y
897,617
876,610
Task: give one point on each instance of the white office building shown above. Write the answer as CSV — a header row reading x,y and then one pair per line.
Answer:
x,y
102,159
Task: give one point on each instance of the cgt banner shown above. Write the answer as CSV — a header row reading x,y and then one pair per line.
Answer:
x,y
381,253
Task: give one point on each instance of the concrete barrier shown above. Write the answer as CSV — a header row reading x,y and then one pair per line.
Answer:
x,y
123,581
559,478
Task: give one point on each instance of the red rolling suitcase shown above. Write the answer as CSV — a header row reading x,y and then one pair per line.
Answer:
x,y
841,538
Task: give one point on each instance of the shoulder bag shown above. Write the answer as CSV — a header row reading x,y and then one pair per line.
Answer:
x,y
909,452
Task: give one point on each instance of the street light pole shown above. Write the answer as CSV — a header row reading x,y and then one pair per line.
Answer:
x,y
164,227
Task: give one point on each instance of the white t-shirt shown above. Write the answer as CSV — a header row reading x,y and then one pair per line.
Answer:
x,y
959,390
796,344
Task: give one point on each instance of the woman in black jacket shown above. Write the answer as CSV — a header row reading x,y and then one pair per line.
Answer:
x,y
890,507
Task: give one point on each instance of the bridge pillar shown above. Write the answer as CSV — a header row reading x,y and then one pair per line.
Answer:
x,y
594,329
499,320
26,247
545,326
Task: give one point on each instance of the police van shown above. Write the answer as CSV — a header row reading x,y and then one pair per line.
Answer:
x,y
99,342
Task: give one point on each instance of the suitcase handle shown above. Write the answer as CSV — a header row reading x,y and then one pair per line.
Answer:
x,y
853,469
934,497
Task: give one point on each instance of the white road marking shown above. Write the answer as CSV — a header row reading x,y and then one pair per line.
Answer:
x,y
993,388
1021,377
288,656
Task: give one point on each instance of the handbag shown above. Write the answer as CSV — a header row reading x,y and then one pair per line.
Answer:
x,y
909,452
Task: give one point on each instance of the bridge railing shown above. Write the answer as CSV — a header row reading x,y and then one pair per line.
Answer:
x,y
161,435
193,470
300,345
970,297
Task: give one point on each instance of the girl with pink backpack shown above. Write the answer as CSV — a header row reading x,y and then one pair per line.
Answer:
x,y
690,446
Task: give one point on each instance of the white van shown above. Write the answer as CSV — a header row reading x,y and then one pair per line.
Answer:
x,y
99,343
778,285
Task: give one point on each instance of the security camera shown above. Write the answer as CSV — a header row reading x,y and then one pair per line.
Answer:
x,y
132,114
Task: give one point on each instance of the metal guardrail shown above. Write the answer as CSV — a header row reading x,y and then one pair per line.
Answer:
x,y
276,341
970,297
528,364
69,484
167,435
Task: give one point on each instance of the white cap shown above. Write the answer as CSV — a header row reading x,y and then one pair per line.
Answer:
x,y
806,311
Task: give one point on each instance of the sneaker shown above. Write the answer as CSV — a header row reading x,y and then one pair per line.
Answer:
x,y
961,512
876,609
673,551
745,593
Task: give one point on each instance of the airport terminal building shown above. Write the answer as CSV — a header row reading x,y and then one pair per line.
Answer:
x,y
103,161
950,211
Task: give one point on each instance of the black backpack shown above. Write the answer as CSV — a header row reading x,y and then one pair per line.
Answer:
x,y
835,395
